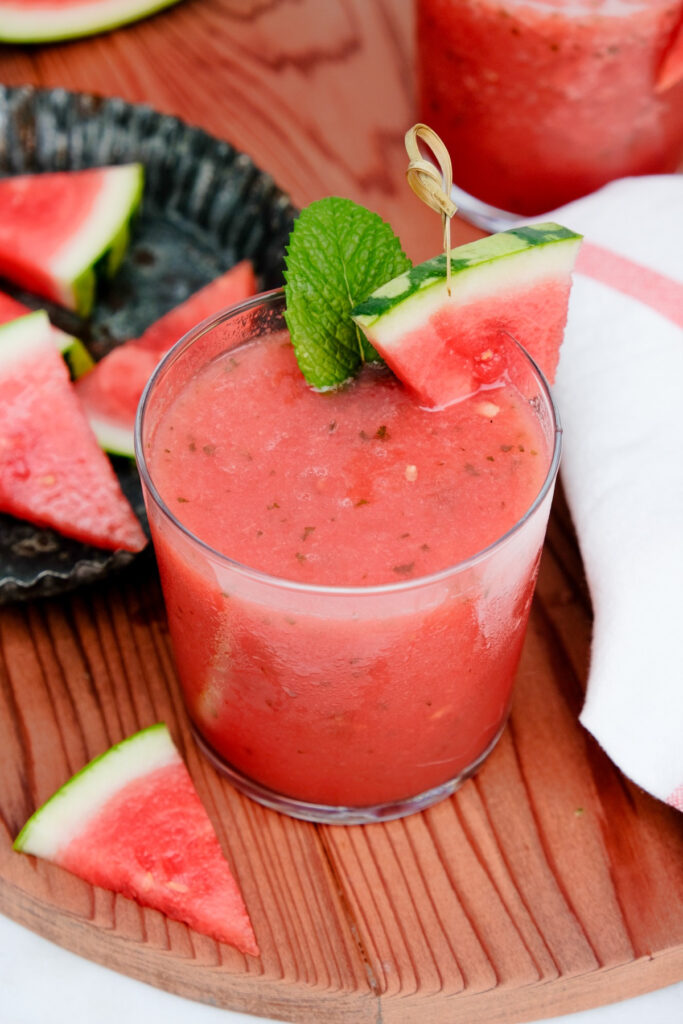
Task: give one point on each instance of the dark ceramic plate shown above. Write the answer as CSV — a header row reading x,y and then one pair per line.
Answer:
x,y
206,206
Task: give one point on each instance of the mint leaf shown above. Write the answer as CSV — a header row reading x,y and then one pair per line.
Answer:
x,y
338,254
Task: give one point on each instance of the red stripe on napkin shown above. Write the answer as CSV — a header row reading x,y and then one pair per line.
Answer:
x,y
662,293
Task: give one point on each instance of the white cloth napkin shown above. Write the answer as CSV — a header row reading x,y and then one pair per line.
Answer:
x,y
619,389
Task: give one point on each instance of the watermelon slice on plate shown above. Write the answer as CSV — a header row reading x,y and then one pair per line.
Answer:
x,y
40,21
52,471
73,350
444,346
59,229
110,393
131,821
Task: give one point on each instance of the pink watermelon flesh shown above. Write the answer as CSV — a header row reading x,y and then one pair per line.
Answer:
x,y
235,285
111,391
38,213
45,215
52,470
446,355
11,308
153,841
671,68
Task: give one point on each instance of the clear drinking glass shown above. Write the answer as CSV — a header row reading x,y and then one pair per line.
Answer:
x,y
341,704
542,101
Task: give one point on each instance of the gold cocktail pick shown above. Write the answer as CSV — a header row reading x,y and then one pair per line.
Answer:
x,y
430,184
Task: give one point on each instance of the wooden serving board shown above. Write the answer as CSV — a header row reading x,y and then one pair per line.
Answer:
x,y
548,883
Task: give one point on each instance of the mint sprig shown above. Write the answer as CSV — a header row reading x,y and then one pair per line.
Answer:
x,y
338,254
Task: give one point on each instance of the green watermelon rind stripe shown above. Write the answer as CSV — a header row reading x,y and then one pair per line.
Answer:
x,y
74,352
113,258
45,24
484,251
69,810
104,259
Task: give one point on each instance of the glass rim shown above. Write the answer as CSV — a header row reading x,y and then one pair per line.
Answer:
x,y
271,298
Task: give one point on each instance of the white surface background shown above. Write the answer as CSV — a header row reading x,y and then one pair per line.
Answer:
x,y
40,983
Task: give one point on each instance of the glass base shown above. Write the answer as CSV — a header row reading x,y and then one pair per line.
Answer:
x,y
339,815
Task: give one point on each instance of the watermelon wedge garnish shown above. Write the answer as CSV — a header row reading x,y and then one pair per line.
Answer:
x,y
443,346
52,470
59,229
73,350
40,21
110,393
132,822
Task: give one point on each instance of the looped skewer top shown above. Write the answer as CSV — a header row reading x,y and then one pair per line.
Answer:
x,y
431,184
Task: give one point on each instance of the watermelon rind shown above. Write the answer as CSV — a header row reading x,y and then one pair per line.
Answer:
x,y
506,260
114,438
23,335
113,258
49,22
100,244
74,353
68,811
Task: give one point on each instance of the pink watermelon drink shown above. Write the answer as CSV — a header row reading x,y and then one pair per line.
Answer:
x,y
347,574
542,101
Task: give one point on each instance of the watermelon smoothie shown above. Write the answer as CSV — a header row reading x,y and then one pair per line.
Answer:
x,y
542,101
347,575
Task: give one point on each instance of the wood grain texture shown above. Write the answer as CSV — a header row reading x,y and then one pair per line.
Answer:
x,y
549,883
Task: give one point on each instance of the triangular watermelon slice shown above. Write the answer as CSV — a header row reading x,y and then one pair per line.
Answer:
x,y
77,357
110,393
443,347
52,471
131,821
57,229
40,21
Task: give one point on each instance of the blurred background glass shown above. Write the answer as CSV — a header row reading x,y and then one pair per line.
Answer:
x,y
543,101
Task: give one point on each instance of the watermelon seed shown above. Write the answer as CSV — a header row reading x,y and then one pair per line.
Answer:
x,y
177,886
488,409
